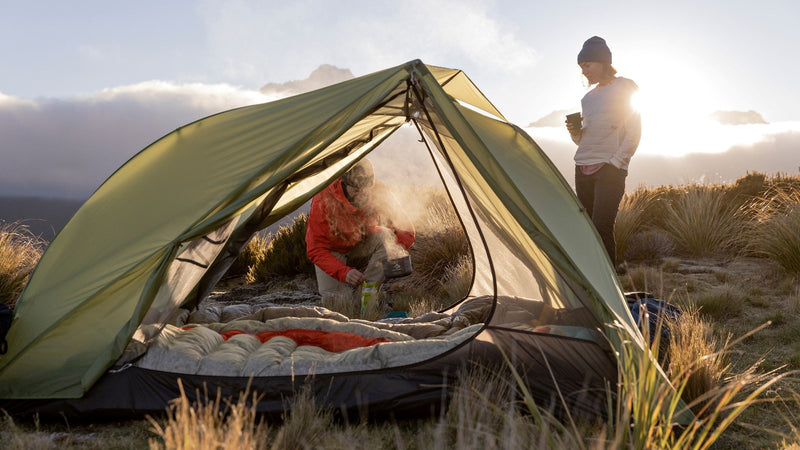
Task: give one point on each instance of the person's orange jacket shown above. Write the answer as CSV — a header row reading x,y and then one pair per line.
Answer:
x,y
334,224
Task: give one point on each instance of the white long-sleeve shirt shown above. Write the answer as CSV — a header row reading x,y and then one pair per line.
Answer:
x,y
611,127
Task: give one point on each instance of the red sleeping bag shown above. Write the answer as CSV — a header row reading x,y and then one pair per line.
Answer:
x,y
332,341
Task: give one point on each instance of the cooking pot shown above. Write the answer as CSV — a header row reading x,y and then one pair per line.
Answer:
x,y
397,267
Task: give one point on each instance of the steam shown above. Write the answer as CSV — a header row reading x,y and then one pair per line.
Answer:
x,y
394,250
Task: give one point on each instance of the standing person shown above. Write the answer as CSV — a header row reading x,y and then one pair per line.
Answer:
x,y
607,138
353,225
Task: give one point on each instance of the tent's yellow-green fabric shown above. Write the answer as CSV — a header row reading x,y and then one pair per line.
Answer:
x,y
115,261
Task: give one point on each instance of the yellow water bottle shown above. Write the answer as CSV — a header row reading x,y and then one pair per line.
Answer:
x,y
369,297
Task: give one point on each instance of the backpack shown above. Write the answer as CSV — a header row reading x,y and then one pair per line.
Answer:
x,y
659,315
5,324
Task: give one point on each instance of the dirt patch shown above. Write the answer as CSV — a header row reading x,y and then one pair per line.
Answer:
x,y
300,290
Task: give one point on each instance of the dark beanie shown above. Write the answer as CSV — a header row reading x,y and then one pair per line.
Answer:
x,y
360,176
595,50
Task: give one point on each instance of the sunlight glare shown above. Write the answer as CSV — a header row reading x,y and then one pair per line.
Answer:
x,y
676,100
675,105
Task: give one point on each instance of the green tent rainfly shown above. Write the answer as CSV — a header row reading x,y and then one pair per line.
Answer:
x,y
161,231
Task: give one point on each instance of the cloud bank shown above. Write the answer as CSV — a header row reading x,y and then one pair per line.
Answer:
x,y
67,147
775,153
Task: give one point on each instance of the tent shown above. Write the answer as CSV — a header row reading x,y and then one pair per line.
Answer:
x,y
162,230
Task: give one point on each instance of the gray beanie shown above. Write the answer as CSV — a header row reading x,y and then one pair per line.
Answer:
x,y
360,176
595,50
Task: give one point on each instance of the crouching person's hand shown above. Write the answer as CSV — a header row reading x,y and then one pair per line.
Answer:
x,y
355,277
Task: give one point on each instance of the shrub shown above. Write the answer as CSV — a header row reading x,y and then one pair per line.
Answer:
x,y
440,241
20,250
441,251
748,187
774,230
700,222
251,254
649,245
722,302
644,278
458,278
285,254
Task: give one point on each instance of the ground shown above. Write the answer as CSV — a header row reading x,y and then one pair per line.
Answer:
x,y
737,295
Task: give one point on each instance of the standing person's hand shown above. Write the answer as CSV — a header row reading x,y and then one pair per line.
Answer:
x,y
355,277
571,127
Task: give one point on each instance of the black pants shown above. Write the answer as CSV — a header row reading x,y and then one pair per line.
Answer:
x,y
600,194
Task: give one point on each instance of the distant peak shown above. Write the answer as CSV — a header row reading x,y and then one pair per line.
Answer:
x,y
322,76
738,117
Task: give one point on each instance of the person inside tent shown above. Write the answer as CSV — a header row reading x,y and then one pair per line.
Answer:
x,y
354,225
607,137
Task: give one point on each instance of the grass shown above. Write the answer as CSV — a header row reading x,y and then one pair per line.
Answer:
x,y
700,223
774,230
210,424
742,389
489,410
695,349
35,435
647,408
631,218
344,304
20,250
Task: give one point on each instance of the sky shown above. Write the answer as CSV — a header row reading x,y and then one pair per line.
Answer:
x,y
84,85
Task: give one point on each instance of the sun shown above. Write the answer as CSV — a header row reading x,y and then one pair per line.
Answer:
x,y
675,106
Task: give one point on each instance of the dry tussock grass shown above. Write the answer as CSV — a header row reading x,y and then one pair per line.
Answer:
x,y
631,218
487,412
20,251
701,223
774,230
694,348
210,423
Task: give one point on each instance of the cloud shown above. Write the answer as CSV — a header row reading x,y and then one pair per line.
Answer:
x,y
67,147
250,38
775,153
